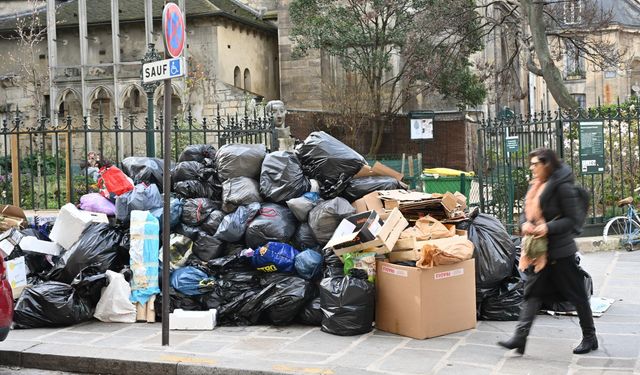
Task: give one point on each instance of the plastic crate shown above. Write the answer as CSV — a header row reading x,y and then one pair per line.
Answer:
x,y
443,184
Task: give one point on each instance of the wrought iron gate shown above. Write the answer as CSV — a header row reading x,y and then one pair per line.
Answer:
x,y
503,164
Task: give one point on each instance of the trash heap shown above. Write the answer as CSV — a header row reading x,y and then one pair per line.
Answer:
x,y
314,236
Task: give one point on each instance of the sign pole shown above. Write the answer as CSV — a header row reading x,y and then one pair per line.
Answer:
x,y
173,27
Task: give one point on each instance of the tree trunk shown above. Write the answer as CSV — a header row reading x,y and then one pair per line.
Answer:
x,y
550,72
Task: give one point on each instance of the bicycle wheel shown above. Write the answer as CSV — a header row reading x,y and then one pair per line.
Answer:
x,y
616,227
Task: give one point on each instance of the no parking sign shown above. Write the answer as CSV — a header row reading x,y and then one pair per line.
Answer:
x,y
174,29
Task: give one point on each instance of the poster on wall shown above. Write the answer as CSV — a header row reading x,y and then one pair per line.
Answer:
x,y
591,147
422,128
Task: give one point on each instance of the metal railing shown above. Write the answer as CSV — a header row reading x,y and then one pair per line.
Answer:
x,y
503,176
43,163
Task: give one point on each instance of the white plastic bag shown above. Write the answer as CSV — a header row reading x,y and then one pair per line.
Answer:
x,y
114,304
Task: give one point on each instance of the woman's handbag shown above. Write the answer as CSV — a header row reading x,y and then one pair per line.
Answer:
x,y
534,247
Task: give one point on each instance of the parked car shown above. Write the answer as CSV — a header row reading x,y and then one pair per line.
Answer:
x,y
6,302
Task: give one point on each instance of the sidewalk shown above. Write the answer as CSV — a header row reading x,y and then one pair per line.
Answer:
x,y
110,348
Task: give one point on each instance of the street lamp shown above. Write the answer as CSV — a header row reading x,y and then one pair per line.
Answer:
x,y
150,56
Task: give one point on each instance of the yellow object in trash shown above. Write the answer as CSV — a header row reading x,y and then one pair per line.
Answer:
x,y
446,172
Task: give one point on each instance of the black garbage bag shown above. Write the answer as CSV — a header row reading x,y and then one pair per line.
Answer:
x,y
494,252
240,160
239,191
191,170
230,264
216,185
304,238
198,153
57,304
274,223
329,161
359,187
187,231
311,314
348,304
178,300
333,266
308,264
243,310
211,224
287,295
143,169
233,248
195,189
234,225
101,245
207,246
326,216
281,177
196,210
504,303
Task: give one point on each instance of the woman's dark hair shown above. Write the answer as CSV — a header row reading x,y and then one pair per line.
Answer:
x,y
548,158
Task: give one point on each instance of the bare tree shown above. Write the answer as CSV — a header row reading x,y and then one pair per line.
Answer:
x,y
536,33
30,34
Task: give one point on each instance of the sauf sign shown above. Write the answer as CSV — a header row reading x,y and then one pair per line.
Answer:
x,y
163,69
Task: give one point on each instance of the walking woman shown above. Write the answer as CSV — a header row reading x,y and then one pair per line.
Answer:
x,y
551,211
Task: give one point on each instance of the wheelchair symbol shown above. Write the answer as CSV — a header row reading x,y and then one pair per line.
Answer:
x,y
174,68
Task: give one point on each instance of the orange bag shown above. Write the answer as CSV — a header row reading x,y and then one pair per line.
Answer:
x,y
114,181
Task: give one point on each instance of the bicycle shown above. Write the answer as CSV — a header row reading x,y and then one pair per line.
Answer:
x,y
627,228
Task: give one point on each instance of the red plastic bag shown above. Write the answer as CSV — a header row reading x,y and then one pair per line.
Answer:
x,y
114,181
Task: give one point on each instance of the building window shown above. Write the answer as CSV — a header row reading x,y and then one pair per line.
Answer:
x,y
236,77
581,99
610,73
572,12
247,80
573,63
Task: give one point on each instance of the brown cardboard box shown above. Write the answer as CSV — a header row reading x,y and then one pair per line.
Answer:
x,y
424,303
12,217
365,235
371,202
409,249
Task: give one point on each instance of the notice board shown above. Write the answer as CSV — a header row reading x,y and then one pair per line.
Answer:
x,y
591,147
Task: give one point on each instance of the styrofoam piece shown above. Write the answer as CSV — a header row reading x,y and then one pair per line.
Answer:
x,y
34,245
70,224
192,320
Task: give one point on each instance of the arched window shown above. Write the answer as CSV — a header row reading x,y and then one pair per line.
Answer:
x,y
247,80
236,77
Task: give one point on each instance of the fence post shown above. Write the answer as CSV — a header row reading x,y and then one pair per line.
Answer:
x,y
15,170
480,167
559,136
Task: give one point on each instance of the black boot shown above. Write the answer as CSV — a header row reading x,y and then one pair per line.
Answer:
x,y
517,341
589,340
587,344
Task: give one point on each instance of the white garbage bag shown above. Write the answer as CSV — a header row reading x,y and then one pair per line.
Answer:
x,y
114,304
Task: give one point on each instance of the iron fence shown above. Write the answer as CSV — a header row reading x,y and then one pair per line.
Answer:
x,y
503,176
43,163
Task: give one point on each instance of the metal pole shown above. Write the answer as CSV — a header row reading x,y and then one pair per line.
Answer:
x,y
166,186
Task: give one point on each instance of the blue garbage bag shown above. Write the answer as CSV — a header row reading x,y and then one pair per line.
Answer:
x,y
275,257
175,211
308,264
189,281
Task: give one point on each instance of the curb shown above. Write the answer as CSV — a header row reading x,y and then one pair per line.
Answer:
x,y
97,365
596,244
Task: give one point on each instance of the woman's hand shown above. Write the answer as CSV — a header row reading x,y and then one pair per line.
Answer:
x,y
540,230
528,228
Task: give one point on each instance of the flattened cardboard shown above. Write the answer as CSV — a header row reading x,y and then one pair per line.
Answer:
x,y
12,217
424,303
381,243
17,275
379,169
371,202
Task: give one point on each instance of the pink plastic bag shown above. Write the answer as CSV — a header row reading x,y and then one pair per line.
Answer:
x,y
95,202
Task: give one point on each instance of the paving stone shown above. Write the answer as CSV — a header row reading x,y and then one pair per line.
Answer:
x,y
258,344
118,342
487,338
368,351
604,372
624,283
615,318
562,349
622,328
436,343
622,294
140,332
477,353
626,308
617,346
175,339
238,331
201,346
491,326
610,363
411,361
321,342
287,331
70,337
462,369
298,357
31,334
557,332
529,365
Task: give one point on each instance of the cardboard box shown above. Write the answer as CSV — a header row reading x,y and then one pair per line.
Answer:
x,y
409,249
12,217
424,303
371,202
9,240
366,231
17,275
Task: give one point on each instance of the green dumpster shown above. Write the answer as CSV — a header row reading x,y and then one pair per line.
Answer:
x,y
433,183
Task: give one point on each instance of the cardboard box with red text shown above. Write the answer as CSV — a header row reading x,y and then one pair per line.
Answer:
x,y
424,303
